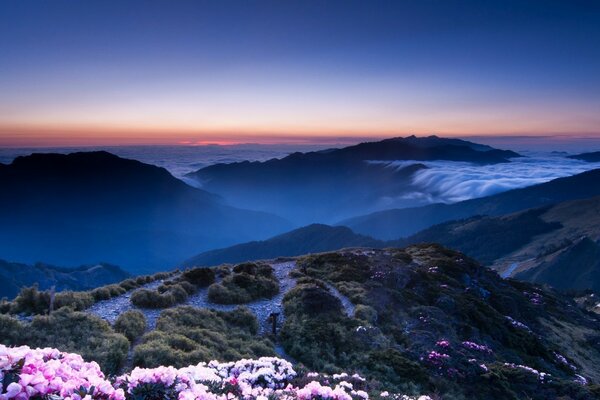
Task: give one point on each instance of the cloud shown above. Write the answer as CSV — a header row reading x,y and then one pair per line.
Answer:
x,y
450,181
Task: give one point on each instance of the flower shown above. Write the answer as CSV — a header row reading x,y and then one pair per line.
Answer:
x,y
49,373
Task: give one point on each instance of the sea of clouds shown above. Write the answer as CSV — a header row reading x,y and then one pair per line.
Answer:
x,y
450,181
441,181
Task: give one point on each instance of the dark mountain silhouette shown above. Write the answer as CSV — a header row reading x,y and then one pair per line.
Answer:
x,y
15,276
395,223
328,185
314,238
589,157
94,206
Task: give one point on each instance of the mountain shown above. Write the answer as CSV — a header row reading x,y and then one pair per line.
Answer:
x,y
15,276
328,185
417,320
589,157
575,267
395,223
92,207
314,238
555,245
558,239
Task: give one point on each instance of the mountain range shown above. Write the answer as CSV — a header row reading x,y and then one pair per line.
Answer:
x,y
96,207
554,244
395,223
589,157
15,276
328,185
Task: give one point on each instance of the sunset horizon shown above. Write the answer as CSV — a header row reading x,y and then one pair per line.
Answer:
x,y
115,73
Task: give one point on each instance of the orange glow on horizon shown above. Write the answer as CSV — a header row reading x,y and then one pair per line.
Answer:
x,y
66,136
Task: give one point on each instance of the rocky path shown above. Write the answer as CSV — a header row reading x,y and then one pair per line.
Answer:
x,y
346,303
110,310
261,308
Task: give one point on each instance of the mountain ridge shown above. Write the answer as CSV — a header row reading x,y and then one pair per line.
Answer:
x,y
395,223
328,185
86,207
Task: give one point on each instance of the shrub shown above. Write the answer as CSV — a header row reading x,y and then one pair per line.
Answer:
x,y
78,301
11,330
248,282
131,323
146,298
199,276
5,306
31,301
365,313
186,335
72,331
102,293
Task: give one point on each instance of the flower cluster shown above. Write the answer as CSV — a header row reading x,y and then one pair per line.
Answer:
x,y
42,373
562,360
542,376
516,323
435,358
534,298
476,347
48,373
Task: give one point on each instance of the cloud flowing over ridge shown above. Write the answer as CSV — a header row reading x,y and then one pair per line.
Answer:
x,y
450,181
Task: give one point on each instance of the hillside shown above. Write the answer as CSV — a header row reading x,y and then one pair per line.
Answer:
x,y
547,239
95,207
15,276
328,185
556,245
419,320
314,238
589,157
396,223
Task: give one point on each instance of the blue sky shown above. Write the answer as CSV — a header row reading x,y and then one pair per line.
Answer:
x,y
228,71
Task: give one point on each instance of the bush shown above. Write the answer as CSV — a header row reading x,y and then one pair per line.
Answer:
x,y
102,293
11,330
78,301
145,298
187,335
70,331
132,324
248,282
200,277
31,301
365,313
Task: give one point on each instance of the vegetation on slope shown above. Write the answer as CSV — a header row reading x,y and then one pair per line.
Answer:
x,y
429,320
174,291
487,238
32,301
186,335
70,331
247,282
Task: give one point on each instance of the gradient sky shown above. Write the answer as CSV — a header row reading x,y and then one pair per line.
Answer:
x,y
111,72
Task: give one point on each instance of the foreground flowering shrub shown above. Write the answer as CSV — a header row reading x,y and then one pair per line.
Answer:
x,y
27,373
43,373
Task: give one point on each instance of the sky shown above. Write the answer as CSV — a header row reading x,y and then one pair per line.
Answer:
x,y
194,72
